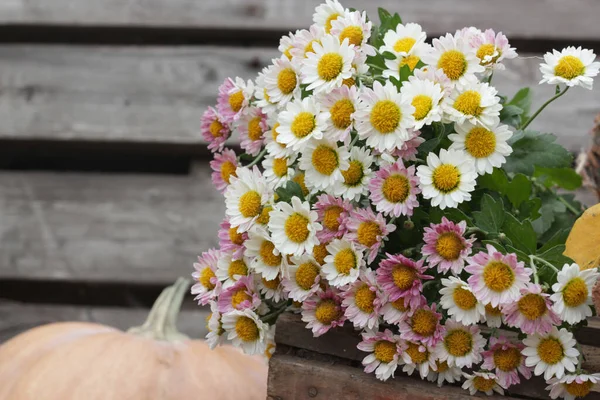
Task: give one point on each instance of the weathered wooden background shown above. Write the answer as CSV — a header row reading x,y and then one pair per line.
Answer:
x,y
105,192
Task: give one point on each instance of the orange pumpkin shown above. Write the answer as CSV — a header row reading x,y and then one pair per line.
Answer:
x,y
78,360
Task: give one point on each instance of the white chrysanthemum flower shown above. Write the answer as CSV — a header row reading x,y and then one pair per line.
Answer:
x,y
552,353
245,197
272,289
341,103
294,227
405,40
447,180
215,336
245,329
461,345
263,101
278,170
282,82
331,63
328,12
274,147
229,269
264,258
301,121
572,293
362,301
356,176
342,265
353,25
323,161
304,40
425,96
486,147
571,66
418,356
286,44
475,102
573,386
455,57
384,350
384,117
492,49
493,316
444,373
460,302
304,278
485,382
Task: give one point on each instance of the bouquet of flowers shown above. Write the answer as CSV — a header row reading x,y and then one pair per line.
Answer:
x,y
385,183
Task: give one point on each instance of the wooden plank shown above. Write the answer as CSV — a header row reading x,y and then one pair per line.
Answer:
x,y
106,228
157,94
531,20
19,317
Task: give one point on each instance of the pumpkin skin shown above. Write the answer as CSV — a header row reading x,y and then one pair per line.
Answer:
x,y
75,361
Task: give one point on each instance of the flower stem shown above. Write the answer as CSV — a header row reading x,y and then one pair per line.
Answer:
x,y
526,124
546,263
354,141
536,278
258,158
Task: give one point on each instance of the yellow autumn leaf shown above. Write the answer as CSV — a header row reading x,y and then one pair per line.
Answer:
x,y
583,243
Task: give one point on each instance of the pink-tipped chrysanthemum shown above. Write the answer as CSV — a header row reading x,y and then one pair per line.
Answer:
x,y
230,240
368,230
332,212
223,166
240,296
395,311
410,148
252,127
207,286
492,49
394,190
446,247
423,326
401,277
362,301
497,278
572,386
532,313
505,358
323,311
233,99
384,353
215,130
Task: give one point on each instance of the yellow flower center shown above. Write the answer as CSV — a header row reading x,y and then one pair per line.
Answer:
x,y
417,357
274,133
446,178
344,261
550,350
364,299
254,130
266,96
449,245
480,142
237,267
483,384
328,311
320,252
367,233
329,20
330,66
331,217
404,276
411,61
575,292
349,82
325,160
216,128
264,217
227,171
458,342
532,306
385,351
424,322
385,116
272,284
287,80
303,124
309,47
493,311
341,112
487,50
296,228
239,296
469,103
442,366
306,274
399,305
205,276
236,100
454,64
267,255
246,329
507,360
579,389
235,237
569,67
404,45
464,298
299,179
250,205
354,174
498,276
280,167
422,105
288,53
353,33
395,188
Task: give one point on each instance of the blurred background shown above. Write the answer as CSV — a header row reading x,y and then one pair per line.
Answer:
x,y
105,191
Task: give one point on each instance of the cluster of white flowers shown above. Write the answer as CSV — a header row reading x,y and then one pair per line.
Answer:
x,y
337,124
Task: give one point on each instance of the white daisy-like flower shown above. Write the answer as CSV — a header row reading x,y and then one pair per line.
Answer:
x,y
362,300
384,350
278,170
342,265
461,345
384,117
493,316
573,386
436,76
274,147
551,354
573,293
407,42
353,25
460,302
229,270
282,82
447,180
393,312
234,98
245,329
272,289
356,176
323,162
418,356
303,43
486,147
245,197
455,57
329,65
328,12
444,373
294,227
492,49
571,66
485,382
304,278
215,336
340,103
266,260
263,101
251,126
286,43
301,121
475,102
425,96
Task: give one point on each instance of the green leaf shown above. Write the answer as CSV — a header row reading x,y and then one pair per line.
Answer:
x,y
561,222
405,72
395,21
559,237
496,181
530,209
496,245
384,15
396,82
565,178
388,55
555,256
511,115
453,214
522,100
518,190
491,216
291,189
536,150
521,234
521,255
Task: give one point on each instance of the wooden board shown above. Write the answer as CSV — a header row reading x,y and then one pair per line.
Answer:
x,y
532,19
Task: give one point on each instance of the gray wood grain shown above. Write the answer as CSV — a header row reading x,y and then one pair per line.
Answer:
x,y
531,19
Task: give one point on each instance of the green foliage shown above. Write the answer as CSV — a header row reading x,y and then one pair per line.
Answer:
x,y
565,178
491,216
291,189
534,149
